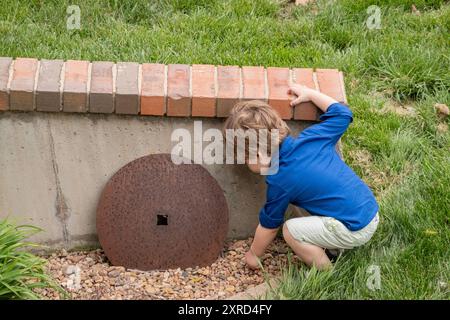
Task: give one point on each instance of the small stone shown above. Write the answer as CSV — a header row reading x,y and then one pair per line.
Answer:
x,y
114,273
89,261
282,249
195,279
230,288
221,293
75,259
150,290
204,272
70,269
118,268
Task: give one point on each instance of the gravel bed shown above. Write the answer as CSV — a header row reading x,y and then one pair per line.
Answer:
x,y
89,275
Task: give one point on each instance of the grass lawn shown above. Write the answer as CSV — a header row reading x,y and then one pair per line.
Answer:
x,y
394,77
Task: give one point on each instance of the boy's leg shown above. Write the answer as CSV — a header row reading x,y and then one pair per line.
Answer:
x,y
308,253
310,236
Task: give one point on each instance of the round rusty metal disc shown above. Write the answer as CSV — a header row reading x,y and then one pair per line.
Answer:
x,y
154,214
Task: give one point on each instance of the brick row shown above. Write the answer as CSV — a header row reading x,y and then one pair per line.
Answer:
x,y
5,65
176,90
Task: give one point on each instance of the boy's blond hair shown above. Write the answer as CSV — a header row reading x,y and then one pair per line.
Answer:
x,y
256,114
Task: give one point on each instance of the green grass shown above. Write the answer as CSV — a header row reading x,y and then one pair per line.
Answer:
x,y
405,159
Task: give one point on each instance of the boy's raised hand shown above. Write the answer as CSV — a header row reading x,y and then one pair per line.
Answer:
x,y
300,94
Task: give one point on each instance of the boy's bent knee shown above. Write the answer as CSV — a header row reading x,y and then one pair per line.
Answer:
x,y
286,234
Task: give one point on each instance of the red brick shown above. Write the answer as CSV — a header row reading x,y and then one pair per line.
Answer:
x,y
329,81
48,94
341,77
153,100
178,95
101,91
127,88
22,84
254,83
278,85
229,89
305,110
5,64
203,91
75,86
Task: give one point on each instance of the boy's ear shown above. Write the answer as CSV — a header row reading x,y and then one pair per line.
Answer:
x,y
263,159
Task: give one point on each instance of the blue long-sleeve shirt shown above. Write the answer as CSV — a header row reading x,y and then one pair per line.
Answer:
x,y
311,175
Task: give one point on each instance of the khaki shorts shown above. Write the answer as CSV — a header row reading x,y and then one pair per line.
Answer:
x,y
329,233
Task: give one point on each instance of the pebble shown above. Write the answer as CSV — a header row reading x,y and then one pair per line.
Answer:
x,y
114,273
230,288
225,277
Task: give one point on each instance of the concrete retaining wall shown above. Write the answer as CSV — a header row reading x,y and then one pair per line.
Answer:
x,y
53,167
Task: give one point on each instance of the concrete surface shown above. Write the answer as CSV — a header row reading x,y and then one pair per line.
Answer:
x,y
53,167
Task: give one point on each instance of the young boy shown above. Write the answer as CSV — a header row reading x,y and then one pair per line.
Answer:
x,y
311,175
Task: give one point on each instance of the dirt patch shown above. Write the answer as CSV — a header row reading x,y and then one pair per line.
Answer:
x,y
380,181
442,128
374,178
404,110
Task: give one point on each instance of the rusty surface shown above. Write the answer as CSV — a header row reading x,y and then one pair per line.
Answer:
x,y
154,214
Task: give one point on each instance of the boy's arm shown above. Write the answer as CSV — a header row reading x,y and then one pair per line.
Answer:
x,y
322,101
271,217
333,122
263,237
